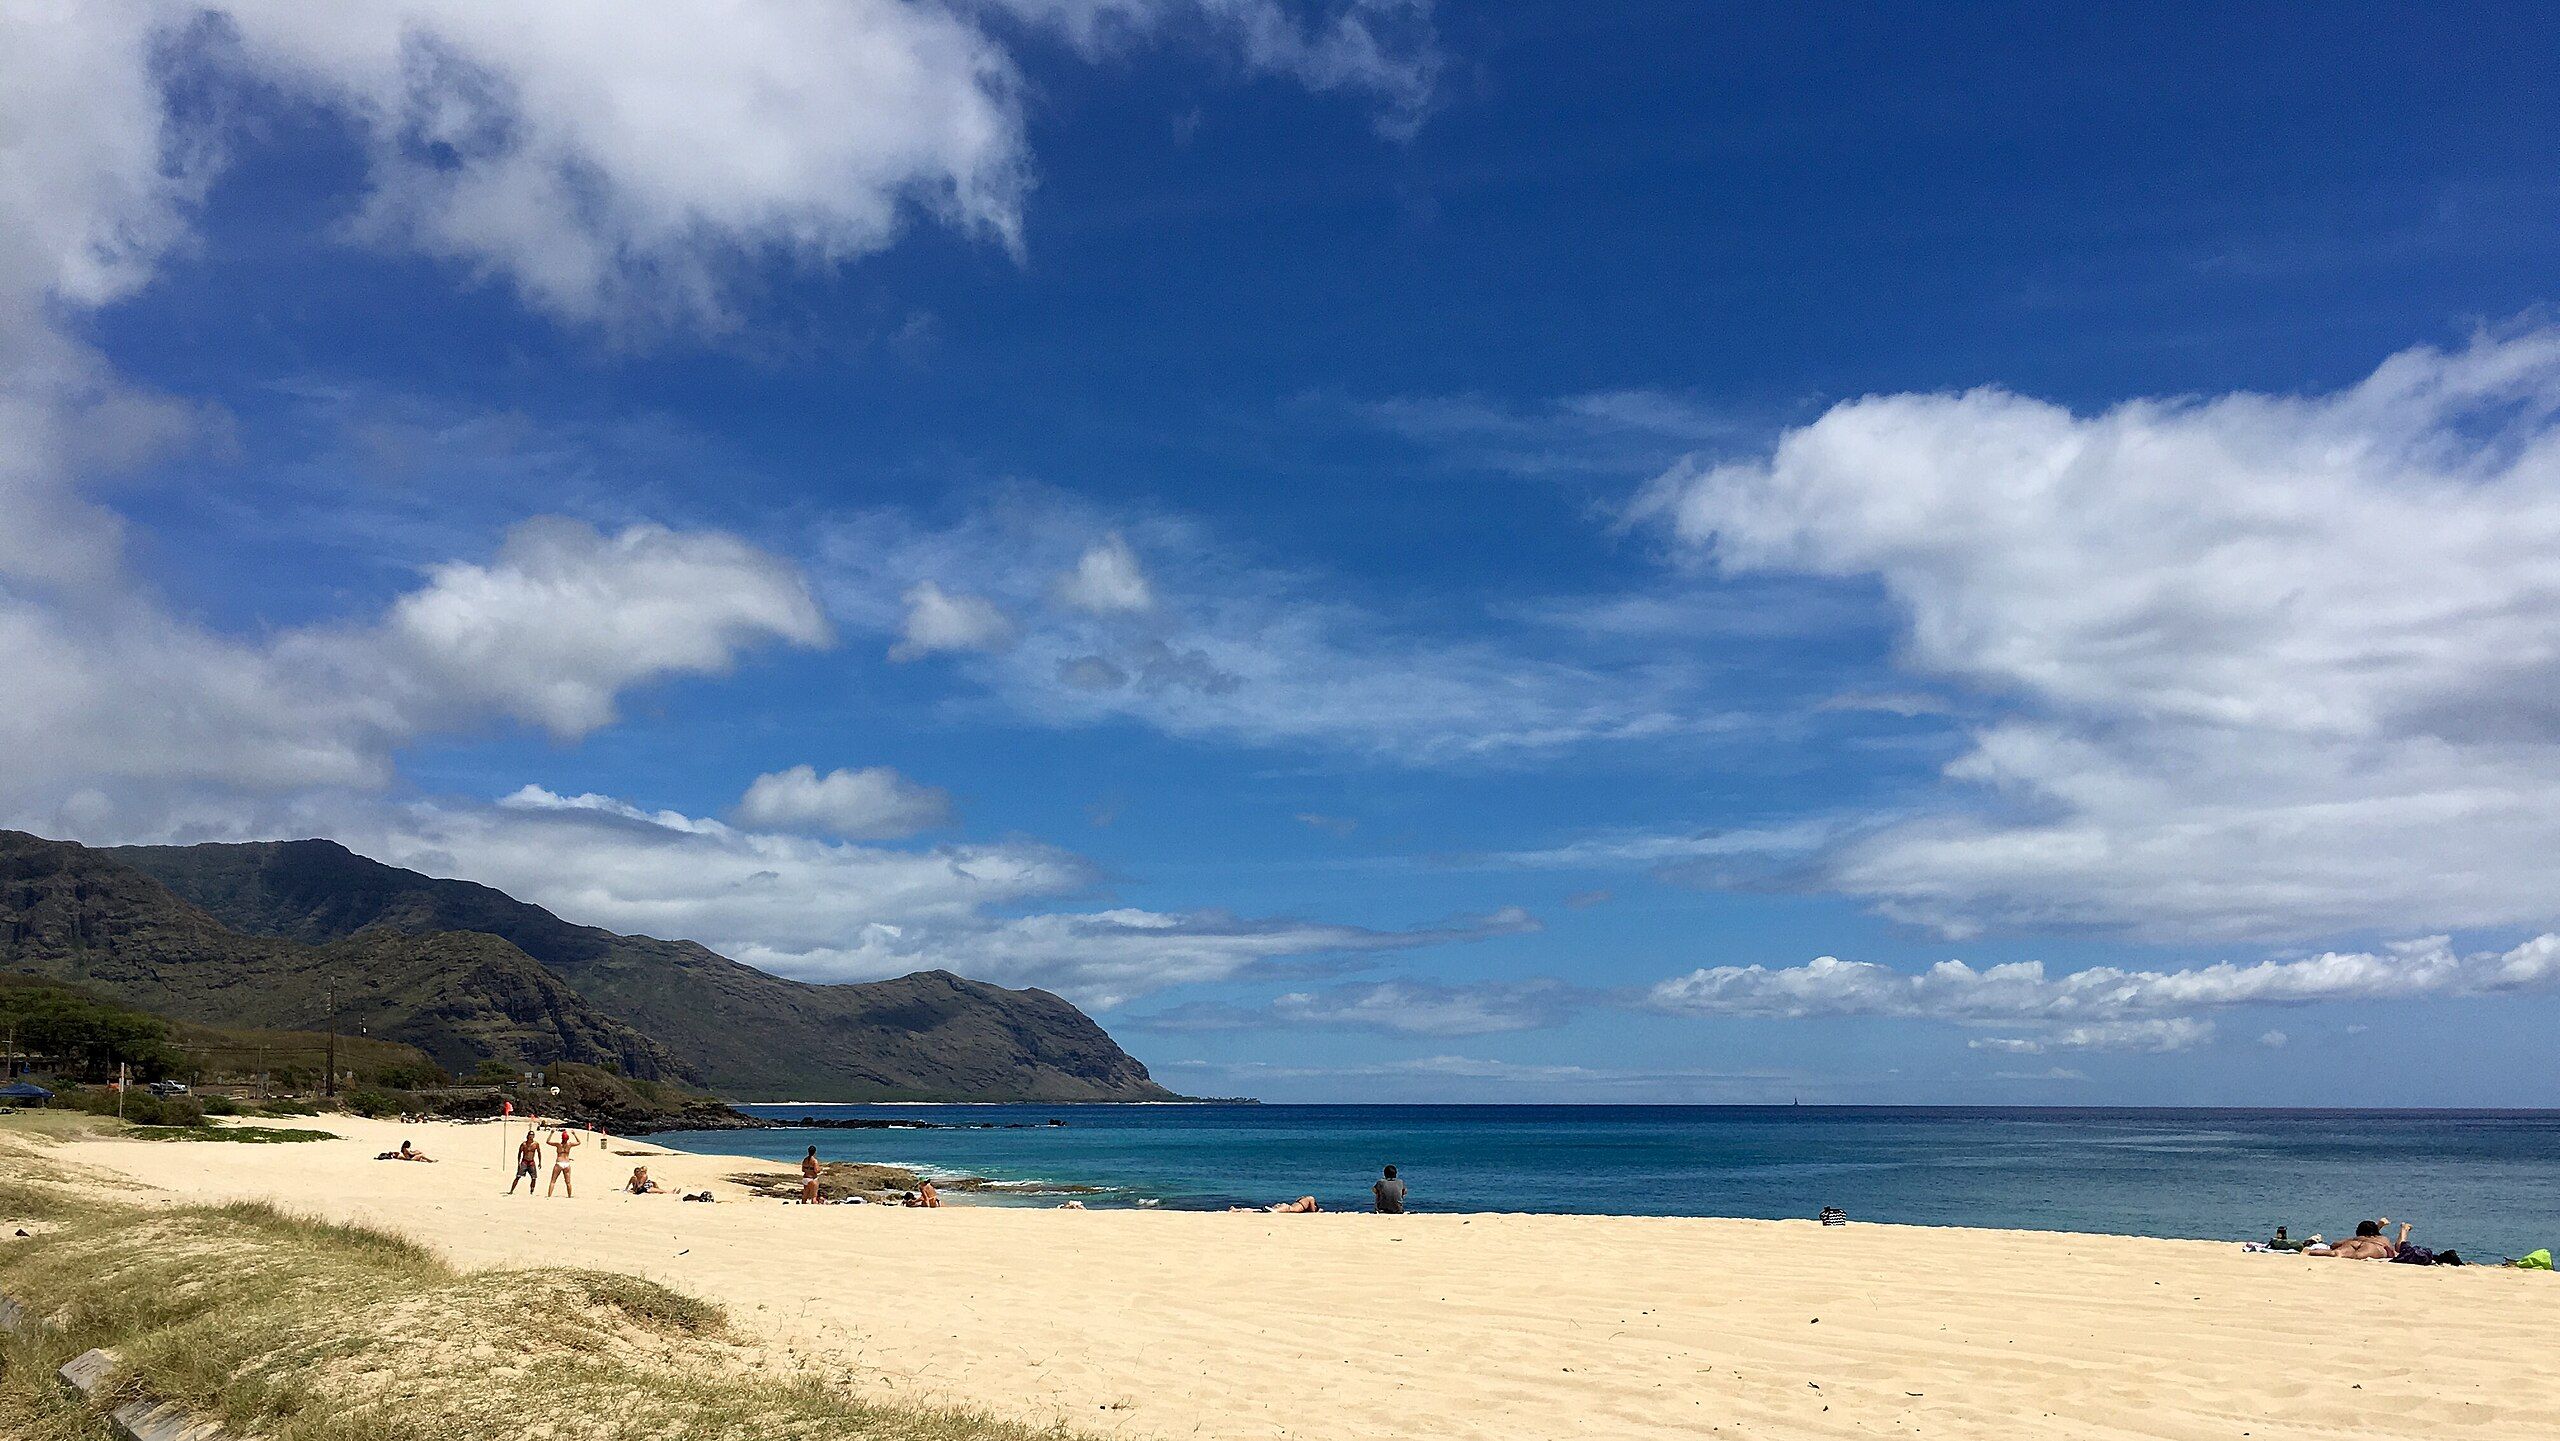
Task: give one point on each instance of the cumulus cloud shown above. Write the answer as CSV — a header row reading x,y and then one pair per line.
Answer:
x,y
618,165
874,803
1408,1007
2104,1008
1107,581
117,701
938,620
2274,1040
566,618
2248,653
610,163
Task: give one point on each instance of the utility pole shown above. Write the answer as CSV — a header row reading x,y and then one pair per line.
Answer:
x,y
329,1086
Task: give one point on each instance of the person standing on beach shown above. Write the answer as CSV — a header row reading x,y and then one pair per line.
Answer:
x,y
809,1178
528,1164
562,1145
1389,1192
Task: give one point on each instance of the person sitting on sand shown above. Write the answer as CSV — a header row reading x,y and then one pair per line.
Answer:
x,y
2367,1244
1389,1193
640,1184
528,1164
410,1153
561,1145
927,1197
809,1178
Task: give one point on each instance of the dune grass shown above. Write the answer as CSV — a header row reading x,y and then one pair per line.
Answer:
x,y
296,1329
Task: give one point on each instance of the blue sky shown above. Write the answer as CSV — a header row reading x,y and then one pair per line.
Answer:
x,y
1392,552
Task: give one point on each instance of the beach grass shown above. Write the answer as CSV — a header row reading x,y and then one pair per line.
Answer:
x,y
288,1327
237,1134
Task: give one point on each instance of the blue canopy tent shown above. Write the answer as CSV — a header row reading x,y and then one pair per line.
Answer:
x,y
25,1092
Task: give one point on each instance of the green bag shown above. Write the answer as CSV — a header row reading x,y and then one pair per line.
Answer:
x,y
2536,1261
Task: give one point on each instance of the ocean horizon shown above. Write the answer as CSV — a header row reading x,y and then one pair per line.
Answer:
x,y
2484,1181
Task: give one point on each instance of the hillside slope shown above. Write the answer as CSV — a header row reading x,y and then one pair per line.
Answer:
x,y
746,1033
71,913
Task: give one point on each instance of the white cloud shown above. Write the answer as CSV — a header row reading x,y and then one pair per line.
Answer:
x,y
2096,1004
2274,1040
610,163
1229,651
2176,1033
1409,1007
618,163
1382,48
1107,581
2254,651
566,618
821,910
875,803
940,621
118,702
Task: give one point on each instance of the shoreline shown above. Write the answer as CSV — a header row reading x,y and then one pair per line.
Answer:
x,y
1160,1323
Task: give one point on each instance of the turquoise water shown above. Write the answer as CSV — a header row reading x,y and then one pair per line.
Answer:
x,y
2484,1182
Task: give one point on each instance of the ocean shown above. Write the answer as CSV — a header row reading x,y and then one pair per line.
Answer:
x,y
2485,1182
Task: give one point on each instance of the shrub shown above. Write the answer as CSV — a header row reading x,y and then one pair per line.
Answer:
x,y
378,1103
140,1107
406,1076
222,1106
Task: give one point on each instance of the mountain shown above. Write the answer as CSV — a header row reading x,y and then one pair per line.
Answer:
x,y
743,1032
74,914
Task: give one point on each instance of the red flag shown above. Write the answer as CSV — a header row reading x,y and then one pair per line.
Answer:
x,y
506,1108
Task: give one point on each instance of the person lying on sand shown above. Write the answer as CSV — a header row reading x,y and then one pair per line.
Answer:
x,y
640,1184
2367,1244
1298,1207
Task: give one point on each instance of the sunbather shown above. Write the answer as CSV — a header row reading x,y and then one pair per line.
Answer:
x,y
2367,1244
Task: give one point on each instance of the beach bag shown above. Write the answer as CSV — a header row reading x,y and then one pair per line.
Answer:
x,y
2415,1256
2536,1261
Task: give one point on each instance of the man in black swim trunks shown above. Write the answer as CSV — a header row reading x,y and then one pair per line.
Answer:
x,y
1390,1193
528,1164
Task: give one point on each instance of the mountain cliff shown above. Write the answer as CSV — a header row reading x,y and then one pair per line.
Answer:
x,y
253,934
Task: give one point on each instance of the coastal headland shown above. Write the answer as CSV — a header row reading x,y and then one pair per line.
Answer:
x,y
1159,1324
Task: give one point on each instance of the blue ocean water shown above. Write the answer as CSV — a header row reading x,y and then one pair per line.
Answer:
x,y
2486,1182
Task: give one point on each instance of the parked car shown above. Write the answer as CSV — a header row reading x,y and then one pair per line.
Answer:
x,y
168,1088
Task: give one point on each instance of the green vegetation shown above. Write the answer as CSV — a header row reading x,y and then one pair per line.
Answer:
x,y
70,1023
294,1329
140,1108
243,1135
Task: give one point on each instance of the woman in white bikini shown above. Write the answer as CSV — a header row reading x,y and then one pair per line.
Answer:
x,y
561,1146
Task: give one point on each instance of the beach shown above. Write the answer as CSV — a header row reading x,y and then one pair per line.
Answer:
x,y
1160,1324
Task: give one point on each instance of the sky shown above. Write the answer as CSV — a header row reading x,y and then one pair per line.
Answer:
x,y
1654,553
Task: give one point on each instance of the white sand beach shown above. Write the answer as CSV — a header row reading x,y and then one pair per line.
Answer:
x,y
1157,1324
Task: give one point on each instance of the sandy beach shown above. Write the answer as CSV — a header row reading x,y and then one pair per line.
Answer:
x,y
1156,1324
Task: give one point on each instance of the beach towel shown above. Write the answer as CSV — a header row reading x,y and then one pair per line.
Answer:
x,y
2414,1256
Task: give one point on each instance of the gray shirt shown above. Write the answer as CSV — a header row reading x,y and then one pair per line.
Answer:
x,y
1390,1194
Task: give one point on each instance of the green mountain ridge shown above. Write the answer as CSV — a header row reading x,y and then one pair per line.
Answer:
x,y
253,934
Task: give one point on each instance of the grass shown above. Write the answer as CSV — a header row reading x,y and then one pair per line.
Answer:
x,y
246,1135
290,1328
